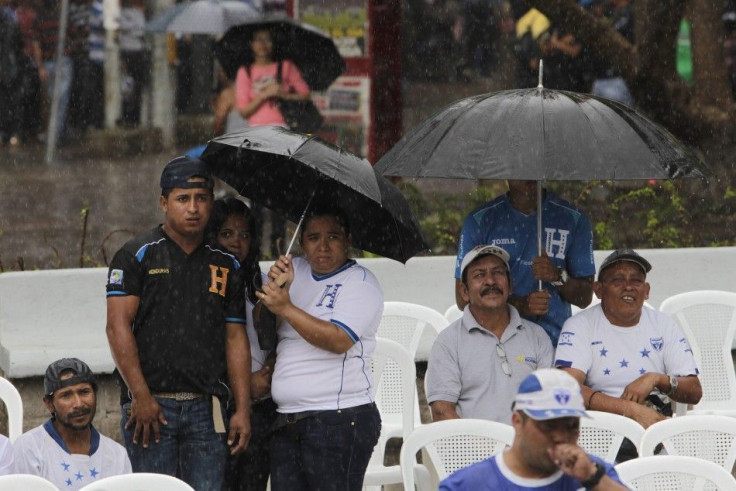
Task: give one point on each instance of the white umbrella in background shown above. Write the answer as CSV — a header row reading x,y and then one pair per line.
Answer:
x,y
204,17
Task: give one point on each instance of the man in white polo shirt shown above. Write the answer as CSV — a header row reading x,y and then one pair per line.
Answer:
x,y
477,362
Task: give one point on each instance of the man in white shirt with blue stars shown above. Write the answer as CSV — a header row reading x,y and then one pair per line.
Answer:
x,y
629,359
67,450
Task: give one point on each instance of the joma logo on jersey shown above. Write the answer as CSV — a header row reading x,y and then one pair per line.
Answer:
x,y
556,238
158,271
219,279
328,296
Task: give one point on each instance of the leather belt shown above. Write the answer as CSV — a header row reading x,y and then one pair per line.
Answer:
x,y
178,396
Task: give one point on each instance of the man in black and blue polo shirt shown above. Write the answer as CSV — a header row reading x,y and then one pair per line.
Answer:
x,y
175,324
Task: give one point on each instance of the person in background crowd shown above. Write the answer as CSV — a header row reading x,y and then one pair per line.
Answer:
x,y
258,87
134,60
231,226
46,35
67,449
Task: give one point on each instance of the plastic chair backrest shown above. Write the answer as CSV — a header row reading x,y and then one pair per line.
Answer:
x,y
453,313
603,433
14,406
26,482
140,481
453,444
709,437
394,382
708,318
405,323
673,473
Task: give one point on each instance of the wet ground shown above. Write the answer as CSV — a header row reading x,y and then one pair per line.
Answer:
x,y
42,205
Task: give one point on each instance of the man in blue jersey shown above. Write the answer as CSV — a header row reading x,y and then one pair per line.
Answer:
x,y
545,455
565,267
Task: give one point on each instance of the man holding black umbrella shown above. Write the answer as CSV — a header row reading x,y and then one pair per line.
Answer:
x,y
565,267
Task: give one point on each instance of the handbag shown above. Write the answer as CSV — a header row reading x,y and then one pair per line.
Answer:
x,y
300,116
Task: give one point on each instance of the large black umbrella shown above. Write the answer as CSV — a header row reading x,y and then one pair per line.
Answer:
x,y
311,50
540,134
288,172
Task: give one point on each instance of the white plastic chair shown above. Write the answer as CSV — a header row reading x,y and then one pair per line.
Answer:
x,y
14,406
26,482
406,322
708,437
451,445
140,481
394,379
603,433
673,473
453,313
708,318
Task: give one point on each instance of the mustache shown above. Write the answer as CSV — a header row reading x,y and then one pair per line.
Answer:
x,y
81,412
491,289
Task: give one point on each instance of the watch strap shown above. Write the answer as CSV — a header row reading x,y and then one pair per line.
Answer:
x,y
592,481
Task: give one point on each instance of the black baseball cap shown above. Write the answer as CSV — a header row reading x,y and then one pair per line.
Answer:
x,y
177,173
625,255
52,380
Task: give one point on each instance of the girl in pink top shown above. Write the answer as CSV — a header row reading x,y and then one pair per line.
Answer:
x,y
257,87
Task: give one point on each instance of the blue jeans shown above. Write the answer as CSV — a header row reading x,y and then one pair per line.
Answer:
x,y
189,448
65,90
327,451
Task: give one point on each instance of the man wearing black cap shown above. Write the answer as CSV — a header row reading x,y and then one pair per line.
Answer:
x,y
67,450
175,324
629,359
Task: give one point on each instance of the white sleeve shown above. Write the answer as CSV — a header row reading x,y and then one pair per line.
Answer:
x,y
678,355
573,347
358,309
26,457
6,456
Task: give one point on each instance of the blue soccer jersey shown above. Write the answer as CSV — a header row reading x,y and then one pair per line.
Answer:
x,y
567,238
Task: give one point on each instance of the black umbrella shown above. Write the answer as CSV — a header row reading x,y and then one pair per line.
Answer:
x,y
311,50
286,171
540,134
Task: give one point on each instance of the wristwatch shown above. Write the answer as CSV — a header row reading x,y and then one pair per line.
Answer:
x,y
673,386
592,481
563,278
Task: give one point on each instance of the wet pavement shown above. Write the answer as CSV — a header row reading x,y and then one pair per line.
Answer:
x,y
42,205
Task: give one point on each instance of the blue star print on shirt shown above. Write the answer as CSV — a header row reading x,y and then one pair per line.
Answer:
x,y
68,482
65,466
623,363
606,372
642,371
93,472
645,353
604,351
79,476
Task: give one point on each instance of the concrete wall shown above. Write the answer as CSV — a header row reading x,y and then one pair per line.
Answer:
x,y
50,314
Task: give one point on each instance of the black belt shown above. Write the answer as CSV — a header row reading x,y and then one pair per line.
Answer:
x,y
284,419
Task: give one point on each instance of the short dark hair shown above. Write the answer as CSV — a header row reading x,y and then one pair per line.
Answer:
x,y
325,210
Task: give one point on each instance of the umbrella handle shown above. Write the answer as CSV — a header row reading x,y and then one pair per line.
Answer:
x,y
299,225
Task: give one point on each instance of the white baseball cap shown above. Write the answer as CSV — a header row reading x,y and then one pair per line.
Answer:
x,y
550,393
485,250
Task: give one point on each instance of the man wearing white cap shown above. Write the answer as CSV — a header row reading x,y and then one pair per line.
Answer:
x,y
477,363
629,359
545,454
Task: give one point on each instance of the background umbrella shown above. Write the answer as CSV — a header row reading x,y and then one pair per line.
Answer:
x,y
203,17
311,50
540,134
286,171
